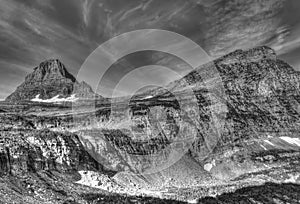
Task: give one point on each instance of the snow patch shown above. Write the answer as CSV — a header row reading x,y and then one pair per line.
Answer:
x,y
292,179
31,140
264,147
192,201
88,178
291,140
270,143
147,97
55,99
100,181
209,166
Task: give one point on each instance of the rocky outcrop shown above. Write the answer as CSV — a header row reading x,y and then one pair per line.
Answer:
x,y
48,80
33,151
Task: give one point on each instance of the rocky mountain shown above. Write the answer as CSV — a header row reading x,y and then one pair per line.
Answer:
x,y
224,132
250,96
230,122
51,80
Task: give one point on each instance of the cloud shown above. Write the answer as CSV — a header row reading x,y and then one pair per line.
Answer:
x,y
33,31
29,36
10,73
36,31
86,10
240,24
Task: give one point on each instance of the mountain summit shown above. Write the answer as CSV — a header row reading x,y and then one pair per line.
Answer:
x,y
51,80
50,70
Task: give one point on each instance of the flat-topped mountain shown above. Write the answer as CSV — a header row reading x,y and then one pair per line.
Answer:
x,y
50,82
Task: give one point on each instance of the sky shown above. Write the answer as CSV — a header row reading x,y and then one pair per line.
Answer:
x,y
32,31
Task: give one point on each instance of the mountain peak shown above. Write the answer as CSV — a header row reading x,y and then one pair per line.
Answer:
x,y
50,69
248,56
50,79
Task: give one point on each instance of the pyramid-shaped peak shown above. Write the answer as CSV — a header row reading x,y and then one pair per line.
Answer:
x,y
51,80
51,63
52,68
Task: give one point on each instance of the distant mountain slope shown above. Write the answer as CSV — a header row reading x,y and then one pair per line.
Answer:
x,y
247,105
50,82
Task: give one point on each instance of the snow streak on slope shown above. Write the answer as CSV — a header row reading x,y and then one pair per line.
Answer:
x,y
55,99
291,140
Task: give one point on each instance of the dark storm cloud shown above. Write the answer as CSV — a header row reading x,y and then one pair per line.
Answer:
x,y
35,30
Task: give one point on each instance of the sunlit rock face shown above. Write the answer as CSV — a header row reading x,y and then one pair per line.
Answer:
x,y
221,112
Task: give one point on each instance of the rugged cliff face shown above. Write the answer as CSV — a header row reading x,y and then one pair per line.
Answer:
x,y
48,80
32,151
220,115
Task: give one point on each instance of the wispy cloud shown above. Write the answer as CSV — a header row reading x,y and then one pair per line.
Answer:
x,y
33,31
240,24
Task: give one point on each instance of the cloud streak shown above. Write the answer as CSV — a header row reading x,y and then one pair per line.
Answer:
x,y
33,31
